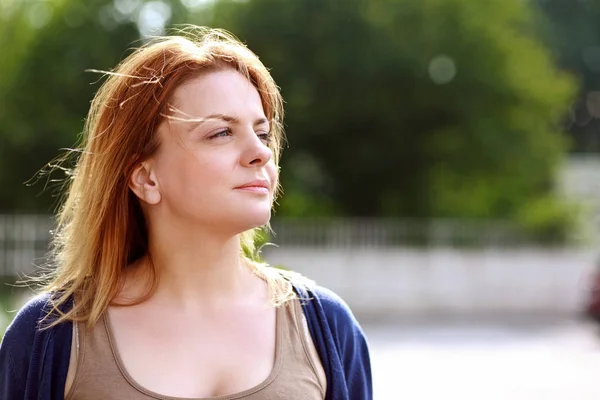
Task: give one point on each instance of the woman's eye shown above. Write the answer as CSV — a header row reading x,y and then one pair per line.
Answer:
x,y
264,136
222,133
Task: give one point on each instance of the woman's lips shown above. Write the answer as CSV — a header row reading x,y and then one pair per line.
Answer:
x,y
257,186
254,189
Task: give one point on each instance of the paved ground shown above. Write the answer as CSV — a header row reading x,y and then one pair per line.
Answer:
x,y
524,360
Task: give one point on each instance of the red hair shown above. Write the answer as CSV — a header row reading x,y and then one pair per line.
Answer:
x,y
101,228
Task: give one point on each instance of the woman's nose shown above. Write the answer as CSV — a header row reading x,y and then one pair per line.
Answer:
x,y
256,151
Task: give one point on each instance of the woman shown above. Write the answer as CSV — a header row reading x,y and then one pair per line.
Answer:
x,y
154,295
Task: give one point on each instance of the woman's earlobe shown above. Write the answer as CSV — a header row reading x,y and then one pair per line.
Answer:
x,y
144,184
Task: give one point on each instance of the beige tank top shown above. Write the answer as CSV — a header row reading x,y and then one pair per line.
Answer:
x,y
297,371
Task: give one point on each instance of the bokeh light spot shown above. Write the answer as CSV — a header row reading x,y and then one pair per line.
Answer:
x,y
442,69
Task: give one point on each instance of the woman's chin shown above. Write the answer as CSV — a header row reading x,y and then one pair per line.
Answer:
x,y
254,219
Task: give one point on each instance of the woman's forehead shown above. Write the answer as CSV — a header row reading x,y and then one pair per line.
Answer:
x,y
226,92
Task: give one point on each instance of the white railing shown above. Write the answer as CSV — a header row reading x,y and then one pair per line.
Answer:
x,y
24,239
23,243
385,233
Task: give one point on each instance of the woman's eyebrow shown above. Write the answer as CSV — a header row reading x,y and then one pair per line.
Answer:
x,y
223,117
261,121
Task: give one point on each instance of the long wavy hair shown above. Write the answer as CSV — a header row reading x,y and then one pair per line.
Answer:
x,y
100,227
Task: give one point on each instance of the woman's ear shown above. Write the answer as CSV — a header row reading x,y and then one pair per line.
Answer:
x,y
144,184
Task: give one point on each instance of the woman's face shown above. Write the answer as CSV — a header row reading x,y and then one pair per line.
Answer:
x,y
220,172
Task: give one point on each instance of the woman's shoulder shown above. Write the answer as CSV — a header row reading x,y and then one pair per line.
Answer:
x,y
322,298
26,342
317,300
27,320
17,345
334,306
342,343
328,298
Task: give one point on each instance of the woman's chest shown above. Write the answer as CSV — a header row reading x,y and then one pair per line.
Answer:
x,y
126,356
196,357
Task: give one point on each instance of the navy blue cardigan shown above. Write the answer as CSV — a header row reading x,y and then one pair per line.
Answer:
x,y
34,362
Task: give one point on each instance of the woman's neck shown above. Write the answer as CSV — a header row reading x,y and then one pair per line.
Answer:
x,y
195,268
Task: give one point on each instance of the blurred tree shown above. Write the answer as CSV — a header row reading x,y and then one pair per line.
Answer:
x,y
45,90
572,31
437,108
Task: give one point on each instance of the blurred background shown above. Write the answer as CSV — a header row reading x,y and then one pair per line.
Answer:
x,y
441,173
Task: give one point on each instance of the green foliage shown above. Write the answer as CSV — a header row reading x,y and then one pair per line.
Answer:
x,y
395,108
438,108
45,90
548,220
571,30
